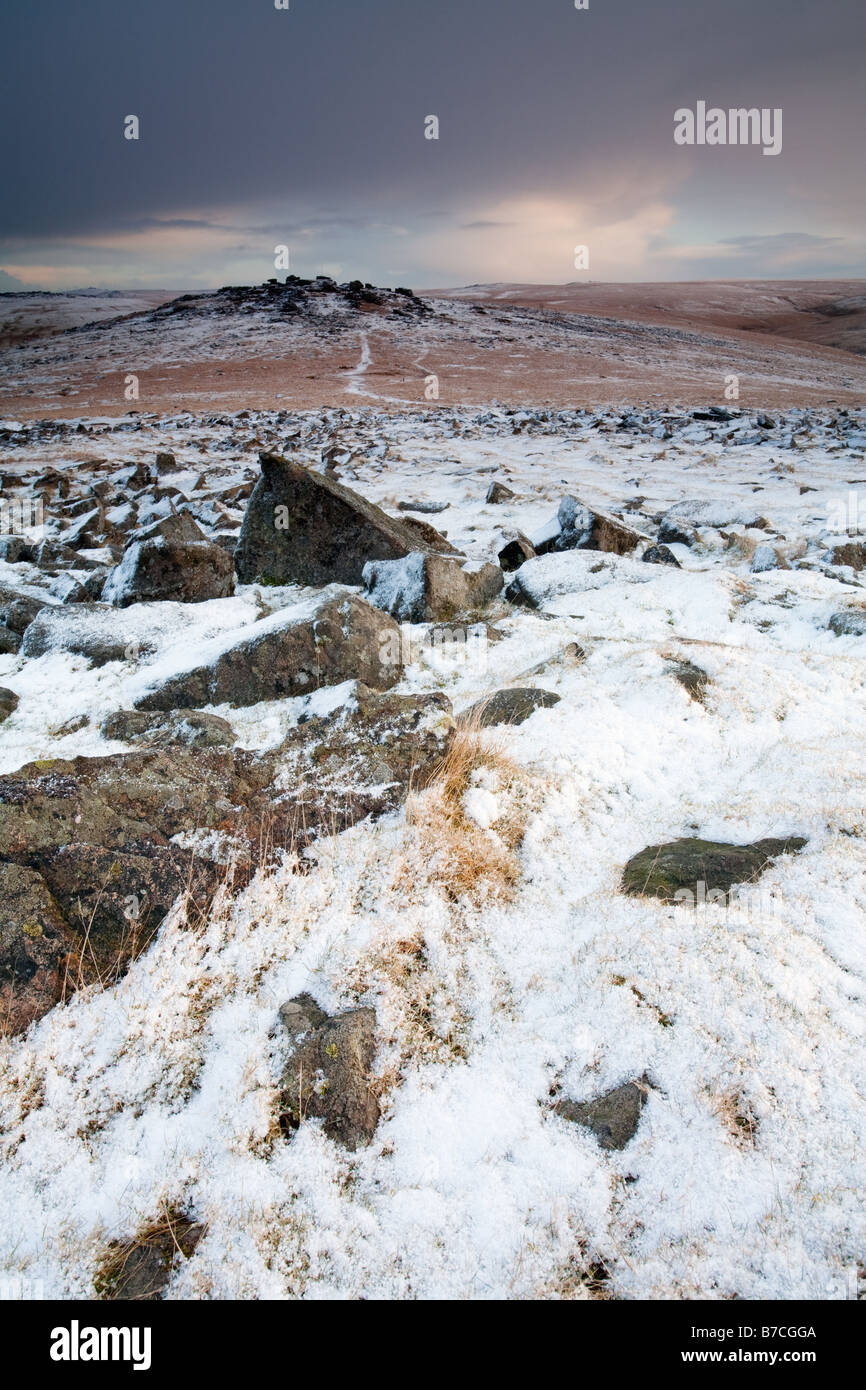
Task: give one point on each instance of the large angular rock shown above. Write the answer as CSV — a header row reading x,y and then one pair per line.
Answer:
x,y
663,871
286,655
126,800
35,943
187,571
302,527
430,588
328,1077
98,830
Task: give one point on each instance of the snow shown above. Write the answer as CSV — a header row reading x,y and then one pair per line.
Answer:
x,y
481,806
161,1090
396,586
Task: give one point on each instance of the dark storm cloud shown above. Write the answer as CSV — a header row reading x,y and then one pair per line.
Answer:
x,y
318,111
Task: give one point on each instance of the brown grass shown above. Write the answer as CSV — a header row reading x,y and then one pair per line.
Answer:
x,y
140,1268
735,1113
466,860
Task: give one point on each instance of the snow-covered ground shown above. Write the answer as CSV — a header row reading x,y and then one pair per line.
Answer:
x,y
161,1092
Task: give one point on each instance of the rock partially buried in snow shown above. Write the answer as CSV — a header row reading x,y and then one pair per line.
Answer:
x,y
425,508
430,588
365,754
673,531
498,492
680,521
190,572
102,633
660,555
766,558
98,830
512,706
612,1117
302,527
850,622
17,612
287,655
680,866
15,550
328,1077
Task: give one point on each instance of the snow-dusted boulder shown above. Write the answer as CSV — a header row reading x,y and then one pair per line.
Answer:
x,y
426,588
292,652
303,527
578,527
191,572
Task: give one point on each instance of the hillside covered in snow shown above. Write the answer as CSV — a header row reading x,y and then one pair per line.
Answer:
x,y
397,912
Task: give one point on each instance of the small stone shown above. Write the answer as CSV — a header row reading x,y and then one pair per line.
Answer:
x,y
511,706
612,1117
515,552
425,508
660,555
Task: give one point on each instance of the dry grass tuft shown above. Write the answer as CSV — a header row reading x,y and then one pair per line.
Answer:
x,y
468,861
735,1113
425,1020
584,1277
140,1269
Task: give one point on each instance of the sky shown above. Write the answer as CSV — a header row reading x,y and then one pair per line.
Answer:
x,y
306,127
